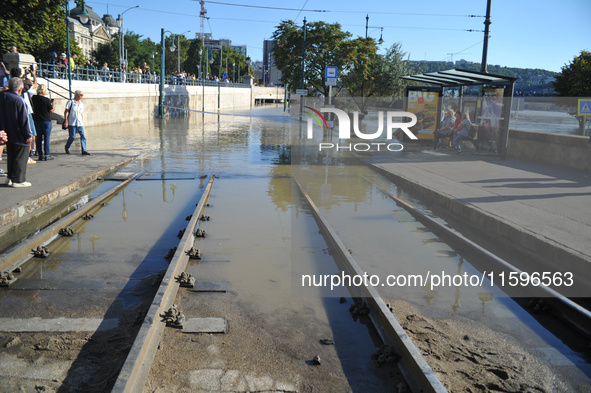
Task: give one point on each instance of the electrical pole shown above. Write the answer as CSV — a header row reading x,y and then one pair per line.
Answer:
x,y
486,31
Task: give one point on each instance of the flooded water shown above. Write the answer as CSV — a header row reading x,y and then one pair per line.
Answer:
x,y
264,238
545,121
252,153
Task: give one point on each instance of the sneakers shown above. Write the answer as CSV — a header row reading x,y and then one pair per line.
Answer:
x,y
8,182
21,185
48,158
3,172
31,161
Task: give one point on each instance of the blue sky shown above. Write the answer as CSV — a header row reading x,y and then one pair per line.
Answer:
x,y
524,33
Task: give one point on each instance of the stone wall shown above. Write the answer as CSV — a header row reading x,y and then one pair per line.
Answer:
x,y
571,151
108,103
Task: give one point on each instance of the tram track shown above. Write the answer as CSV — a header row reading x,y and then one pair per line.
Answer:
x,y
60,328
558,305
415,369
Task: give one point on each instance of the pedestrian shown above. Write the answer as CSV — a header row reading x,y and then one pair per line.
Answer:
x,y
4,74
30,90
44,107
52,65
73,117
14,120
63,66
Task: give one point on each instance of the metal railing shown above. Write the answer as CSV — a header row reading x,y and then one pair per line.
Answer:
x,y
60,71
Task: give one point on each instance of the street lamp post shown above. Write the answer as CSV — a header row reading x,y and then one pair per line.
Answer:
x,y
163,71
68,49
202,83
234,72
122,58
380,41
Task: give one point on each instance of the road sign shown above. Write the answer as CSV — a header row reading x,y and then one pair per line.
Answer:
x,y
302,92
331,72
331,82
584,107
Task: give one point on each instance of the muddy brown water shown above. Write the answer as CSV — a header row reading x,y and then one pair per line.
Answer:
x,y
262,238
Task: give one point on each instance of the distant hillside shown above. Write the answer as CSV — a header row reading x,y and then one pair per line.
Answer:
x,y
532,81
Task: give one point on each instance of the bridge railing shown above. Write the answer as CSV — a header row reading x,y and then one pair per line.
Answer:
x,y
104,74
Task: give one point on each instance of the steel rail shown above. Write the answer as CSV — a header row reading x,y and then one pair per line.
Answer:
x,y
135,371
21,253
418,374
562,307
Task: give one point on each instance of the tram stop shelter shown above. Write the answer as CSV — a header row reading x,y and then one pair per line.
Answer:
x,y
489,112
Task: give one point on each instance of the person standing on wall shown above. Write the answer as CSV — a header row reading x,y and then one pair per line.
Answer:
x,y
73,117
14,120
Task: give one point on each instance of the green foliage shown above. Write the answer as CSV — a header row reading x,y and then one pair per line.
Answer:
x,y
574,82
376,75
192,58
229,56
138,52
362,71
35,26
326,45
575,78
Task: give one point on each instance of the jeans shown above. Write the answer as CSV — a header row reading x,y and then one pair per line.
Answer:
x,y
72,130
43,134
457,139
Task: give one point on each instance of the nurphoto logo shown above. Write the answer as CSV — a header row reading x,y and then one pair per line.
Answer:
x,y
345,129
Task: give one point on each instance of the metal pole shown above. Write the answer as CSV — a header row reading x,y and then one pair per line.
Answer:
x,y
161,96
366,24
221,54
303,54
203,89
123,43
303,70
68,47
220,79
179,53
486,36
120,31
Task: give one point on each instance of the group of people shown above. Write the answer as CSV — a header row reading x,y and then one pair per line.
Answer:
x,y
26,124
454,128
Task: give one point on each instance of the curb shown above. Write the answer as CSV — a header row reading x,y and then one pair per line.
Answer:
x,y
27,208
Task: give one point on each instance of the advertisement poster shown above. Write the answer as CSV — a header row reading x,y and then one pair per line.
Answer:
x,y
490,117
425,105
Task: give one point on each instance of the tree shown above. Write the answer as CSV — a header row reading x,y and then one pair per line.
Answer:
x,y
138,51
35,26
575,81
326,45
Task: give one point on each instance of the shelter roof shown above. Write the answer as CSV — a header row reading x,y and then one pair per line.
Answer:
x,y
459,77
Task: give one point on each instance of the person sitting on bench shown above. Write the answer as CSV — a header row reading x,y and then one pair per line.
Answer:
x,y
445,128
462,132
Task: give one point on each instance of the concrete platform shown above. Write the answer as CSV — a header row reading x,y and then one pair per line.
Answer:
x,y
55,180
539,208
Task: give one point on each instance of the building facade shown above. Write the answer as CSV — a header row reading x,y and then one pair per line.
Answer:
x,y
270,74
90,30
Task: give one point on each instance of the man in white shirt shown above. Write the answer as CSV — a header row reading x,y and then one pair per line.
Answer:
x,y
73,117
